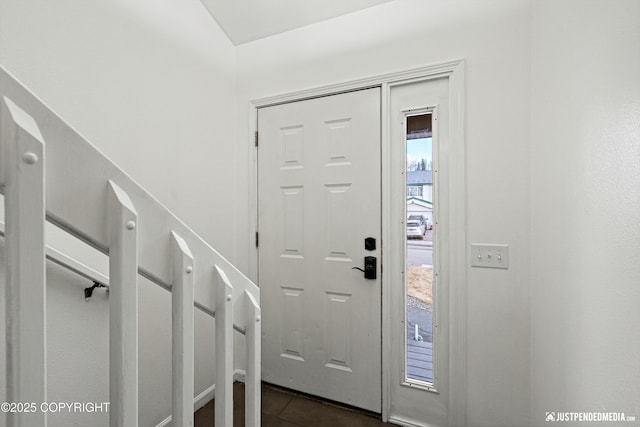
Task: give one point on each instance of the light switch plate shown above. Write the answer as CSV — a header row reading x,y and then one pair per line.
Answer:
x,y
489,256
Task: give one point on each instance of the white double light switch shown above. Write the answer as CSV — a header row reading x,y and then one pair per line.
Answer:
x,y
489,256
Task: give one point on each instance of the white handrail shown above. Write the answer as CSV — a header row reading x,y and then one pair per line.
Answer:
x,y
91,198
89,273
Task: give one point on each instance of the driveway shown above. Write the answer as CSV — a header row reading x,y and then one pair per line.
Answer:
x,y
419,252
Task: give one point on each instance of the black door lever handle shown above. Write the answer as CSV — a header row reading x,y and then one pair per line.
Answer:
x,y
370,267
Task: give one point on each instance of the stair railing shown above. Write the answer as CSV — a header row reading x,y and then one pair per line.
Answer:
x,y
49,172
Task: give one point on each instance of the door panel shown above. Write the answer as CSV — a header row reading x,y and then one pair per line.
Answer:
x,y
318,199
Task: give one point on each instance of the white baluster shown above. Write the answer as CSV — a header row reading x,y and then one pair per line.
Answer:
x,y
224,351
253,386
123,308
182,333
23,179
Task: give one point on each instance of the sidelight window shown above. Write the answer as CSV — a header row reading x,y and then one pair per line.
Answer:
x,y
419,250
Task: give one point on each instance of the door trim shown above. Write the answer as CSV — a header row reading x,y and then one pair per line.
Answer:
x,y
454,72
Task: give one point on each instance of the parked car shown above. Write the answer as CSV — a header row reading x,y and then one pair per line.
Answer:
x,y
420,218
415,229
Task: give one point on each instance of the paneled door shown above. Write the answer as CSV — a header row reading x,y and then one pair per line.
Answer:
x,y
318,200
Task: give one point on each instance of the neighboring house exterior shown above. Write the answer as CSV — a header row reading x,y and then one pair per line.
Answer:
x,y
420,185
420,194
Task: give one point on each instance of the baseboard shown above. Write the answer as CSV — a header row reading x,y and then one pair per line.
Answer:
x,y
206,396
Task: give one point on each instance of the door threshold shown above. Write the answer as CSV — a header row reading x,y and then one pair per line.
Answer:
x,y
321,400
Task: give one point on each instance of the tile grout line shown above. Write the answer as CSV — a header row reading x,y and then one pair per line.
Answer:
x,y
285,407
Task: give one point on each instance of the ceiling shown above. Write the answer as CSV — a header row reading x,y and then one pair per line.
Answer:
x,y
247,20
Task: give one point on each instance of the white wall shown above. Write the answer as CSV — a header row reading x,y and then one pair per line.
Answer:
x,y
494,39
150,83
585,148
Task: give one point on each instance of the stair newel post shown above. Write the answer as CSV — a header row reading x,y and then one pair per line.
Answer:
x,y
253,386
182,348
23,178
122,223
224,350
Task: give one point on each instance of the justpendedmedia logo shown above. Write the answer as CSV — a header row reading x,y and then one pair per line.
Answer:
x,y
594,417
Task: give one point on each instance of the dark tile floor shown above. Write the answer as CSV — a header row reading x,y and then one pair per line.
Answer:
x,y
281,407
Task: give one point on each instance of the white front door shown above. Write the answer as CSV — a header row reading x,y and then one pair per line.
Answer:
x,y
318,199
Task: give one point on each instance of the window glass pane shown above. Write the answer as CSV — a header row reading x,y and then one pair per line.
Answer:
x,y
419,249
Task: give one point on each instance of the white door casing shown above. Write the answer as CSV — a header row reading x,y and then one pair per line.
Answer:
x,y
319,197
